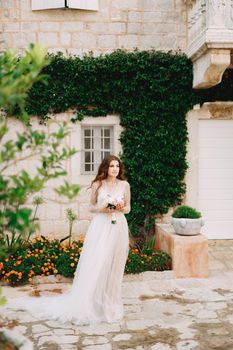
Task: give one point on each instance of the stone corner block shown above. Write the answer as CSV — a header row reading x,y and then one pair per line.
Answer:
x,y
189,253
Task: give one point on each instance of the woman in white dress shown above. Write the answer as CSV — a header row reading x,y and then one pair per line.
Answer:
x,y
95,294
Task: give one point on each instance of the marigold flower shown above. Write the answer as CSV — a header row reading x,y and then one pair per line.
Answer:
x,y
1,266
72,264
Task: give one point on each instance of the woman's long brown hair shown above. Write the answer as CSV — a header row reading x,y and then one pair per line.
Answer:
x,y
102,173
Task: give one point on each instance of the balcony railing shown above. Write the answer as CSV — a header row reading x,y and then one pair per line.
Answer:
x,y
210,39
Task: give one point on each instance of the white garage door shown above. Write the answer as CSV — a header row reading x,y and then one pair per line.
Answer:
x,y
216,177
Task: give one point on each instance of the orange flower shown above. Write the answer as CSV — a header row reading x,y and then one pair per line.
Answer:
x,y
1,266
72,264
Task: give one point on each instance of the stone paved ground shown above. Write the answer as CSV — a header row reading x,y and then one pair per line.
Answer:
x,y
161,313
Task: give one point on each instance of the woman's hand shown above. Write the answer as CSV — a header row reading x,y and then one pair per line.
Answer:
x,y
119,206
107,210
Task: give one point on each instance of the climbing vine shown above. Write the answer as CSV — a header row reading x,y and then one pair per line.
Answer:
x,y
151,91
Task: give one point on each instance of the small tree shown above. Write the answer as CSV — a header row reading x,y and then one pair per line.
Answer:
x,y
71,217
16,76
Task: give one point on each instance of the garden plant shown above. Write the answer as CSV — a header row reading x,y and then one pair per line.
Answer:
x,y
44,257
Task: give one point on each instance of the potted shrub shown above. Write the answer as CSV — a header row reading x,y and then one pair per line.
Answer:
x,y
187,221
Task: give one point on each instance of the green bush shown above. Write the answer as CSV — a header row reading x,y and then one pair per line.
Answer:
x,y
44,257
184,211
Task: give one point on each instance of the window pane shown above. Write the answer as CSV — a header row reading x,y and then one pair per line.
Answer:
x,y
87,157
106,143
87,143
107,132
106,154
87,132
87,167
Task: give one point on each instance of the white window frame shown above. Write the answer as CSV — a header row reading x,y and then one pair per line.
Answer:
x,y
97,150
76,141
89,5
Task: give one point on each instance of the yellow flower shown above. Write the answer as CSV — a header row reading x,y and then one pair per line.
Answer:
x,y
72,264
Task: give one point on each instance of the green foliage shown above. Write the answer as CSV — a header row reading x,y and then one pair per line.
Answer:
x,y
71,217
44,257
2,298
152,91
145,256
17,75
15,219
184,211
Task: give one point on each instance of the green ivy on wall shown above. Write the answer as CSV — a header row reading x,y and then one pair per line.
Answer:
x,y
152,91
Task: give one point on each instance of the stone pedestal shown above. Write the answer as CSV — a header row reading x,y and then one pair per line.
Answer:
x,y
189,253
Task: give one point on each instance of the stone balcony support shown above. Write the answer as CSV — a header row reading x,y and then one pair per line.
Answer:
x,y
210,39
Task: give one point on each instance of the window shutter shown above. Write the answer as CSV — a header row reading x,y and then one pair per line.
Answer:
x,y
47,4
91,5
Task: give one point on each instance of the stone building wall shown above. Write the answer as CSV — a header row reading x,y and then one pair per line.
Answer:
x,y
128,24
52,213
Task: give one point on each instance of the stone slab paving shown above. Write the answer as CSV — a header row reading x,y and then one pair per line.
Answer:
x,y
161,312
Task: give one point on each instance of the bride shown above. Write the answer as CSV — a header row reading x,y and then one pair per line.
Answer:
x,y
95,294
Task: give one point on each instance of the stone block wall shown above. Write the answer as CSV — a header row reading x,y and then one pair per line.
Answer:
x,y
51,214
128,24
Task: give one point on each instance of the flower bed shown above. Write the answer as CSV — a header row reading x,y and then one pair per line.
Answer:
x,y
44,257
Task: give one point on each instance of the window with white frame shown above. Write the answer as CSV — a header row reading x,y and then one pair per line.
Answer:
x,y
97,142
90,5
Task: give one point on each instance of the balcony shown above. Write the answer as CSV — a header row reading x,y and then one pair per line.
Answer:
x,y
210,40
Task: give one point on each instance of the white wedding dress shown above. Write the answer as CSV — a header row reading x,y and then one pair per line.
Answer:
x,y
95,294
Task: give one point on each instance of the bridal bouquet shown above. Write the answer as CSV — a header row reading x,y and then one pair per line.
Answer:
x,y
111,203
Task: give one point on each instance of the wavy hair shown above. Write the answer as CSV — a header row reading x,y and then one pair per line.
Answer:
x,y
102,173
